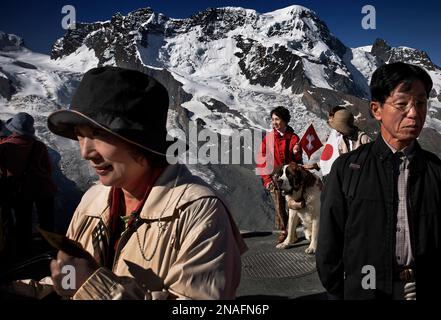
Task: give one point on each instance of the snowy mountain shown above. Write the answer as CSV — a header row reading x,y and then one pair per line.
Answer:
x,y
225,68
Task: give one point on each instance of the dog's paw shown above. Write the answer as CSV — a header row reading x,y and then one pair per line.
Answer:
x,y
284,245
281,246
310,250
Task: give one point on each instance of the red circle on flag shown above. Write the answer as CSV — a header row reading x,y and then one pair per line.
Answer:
x,y
327,153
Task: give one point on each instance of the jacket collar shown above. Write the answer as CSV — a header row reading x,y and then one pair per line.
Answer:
x,y
381,149
419,161
286,135
100,205
18,139
167,194
383,152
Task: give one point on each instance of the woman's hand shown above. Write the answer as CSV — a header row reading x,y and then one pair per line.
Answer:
x,y
270,187
297,149
69,273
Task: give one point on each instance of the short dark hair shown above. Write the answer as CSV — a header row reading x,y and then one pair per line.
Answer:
x,y
282,113
387,77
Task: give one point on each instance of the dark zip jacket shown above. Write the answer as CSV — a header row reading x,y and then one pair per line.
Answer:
x,y
358,223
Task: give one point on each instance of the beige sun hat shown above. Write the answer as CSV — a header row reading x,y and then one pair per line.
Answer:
x,y
343,121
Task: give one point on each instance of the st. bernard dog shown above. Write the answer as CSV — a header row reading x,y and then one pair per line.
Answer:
x,y
302,192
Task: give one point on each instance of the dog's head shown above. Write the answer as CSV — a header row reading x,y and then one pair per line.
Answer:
x,y
292,177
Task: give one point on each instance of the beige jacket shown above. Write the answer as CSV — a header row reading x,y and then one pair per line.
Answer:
x,y
191,246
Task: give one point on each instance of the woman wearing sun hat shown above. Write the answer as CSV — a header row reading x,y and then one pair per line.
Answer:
x,y
349,136
342,120
152,230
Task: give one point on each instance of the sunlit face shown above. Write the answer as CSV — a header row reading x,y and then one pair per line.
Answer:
x,y
111,158
278,123
402,115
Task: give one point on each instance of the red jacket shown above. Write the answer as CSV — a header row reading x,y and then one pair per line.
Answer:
x,y
272,153
16,158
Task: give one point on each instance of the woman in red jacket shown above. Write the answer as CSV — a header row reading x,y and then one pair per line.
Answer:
x,y
279,147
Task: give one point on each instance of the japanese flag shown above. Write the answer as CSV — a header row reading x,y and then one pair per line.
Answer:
x,y
310,141
330,152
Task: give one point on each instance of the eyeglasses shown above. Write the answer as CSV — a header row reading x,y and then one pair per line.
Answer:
x,y
405,107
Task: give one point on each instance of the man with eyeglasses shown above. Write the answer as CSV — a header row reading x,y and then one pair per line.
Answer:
x,y
380,227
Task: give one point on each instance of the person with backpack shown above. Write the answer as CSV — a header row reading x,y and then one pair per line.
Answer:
x,y
5,218
27,179
380,220
279,147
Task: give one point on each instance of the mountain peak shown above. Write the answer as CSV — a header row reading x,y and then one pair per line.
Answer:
x,y
289,12
381,49
387,54
10,42
148,10
236,9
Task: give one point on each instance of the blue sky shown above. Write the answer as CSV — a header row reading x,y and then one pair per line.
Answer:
x,y
414,24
